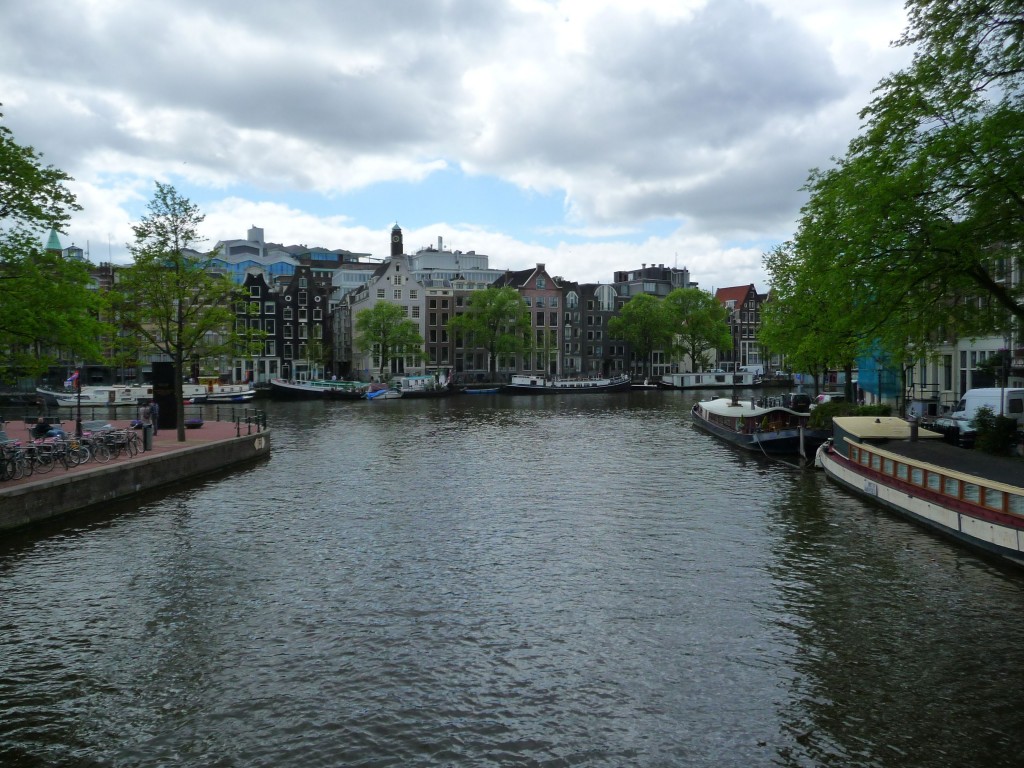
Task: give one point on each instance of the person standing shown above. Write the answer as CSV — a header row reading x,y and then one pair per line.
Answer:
x,y
154,413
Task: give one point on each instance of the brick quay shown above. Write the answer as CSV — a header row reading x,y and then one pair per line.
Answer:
x,y
215,446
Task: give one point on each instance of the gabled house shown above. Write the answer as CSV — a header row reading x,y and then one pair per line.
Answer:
x,y
744,305
543,296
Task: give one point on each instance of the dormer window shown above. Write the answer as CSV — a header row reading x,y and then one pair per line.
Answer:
x,y
541,283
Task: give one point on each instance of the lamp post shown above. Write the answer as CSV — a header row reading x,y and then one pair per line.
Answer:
x,y
78,389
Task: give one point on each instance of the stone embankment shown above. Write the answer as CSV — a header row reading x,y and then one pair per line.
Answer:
x,y
213,447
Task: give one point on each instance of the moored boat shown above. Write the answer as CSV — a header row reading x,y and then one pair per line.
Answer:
x,y
421,386
972,497
100,395
316,389
764,426
527,385
230,393
710,380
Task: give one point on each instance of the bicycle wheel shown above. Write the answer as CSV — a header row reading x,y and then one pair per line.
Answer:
x,y
100,452
42,460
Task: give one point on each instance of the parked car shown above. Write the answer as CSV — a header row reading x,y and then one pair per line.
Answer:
x,y
954,431
797,401
828,397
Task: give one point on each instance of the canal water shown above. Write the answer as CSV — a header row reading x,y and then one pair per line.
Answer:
x,y
486,581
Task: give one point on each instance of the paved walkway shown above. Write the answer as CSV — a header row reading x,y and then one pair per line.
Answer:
x,y
165,441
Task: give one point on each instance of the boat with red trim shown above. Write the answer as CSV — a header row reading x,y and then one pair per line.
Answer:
x,y
975,498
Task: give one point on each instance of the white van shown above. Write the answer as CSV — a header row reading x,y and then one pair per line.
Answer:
x,y
757,370
1002,401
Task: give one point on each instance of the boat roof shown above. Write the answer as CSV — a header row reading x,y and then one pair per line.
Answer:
x,y
968,464
879,428
724,406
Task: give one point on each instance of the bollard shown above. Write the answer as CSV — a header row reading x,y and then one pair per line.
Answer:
x,y
147,438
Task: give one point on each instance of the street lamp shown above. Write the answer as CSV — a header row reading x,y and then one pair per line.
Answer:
x,y
78,418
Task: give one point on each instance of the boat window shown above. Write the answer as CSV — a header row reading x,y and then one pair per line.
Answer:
x,y
1016,504
865,458
888,466
972,492
952,487
901,471
934,481
993,498
876,462
917,476
854,454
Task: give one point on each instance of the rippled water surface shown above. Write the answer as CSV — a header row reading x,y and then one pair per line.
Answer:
x,y
505,582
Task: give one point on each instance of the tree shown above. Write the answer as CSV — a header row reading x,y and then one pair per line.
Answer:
x,y
496,319
699,323
45,302
384,331
646,324
924,216
167,295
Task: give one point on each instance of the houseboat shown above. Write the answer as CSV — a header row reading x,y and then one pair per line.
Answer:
x,y
710,380
421,386
316,389
765,426
99,395
540,385
975,498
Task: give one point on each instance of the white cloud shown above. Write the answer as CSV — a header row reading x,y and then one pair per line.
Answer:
x,y
709,114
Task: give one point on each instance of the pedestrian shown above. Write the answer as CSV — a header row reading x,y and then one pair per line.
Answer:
x,y
146,415
154,412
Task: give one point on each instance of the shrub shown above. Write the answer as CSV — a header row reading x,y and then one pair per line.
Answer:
x,y
995,434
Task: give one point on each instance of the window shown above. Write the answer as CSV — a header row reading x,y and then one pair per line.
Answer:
x,y
303,331
413,294
271,348
269,326
303,315
288,351
397,294
269,307
540,319
288,331
951,487
302,282
528,300
433,318
303,298
539,303
553,302
318,314
541,283
380,293
254,291
318,331
553,319
416,310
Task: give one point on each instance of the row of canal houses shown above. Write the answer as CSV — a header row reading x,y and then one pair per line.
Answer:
x,y
305,300
309,317
308,314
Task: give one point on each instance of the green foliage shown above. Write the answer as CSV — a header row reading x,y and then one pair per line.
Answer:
x,y
46,307
910,234
495,319
993,434
822,415
646,323
385,331
167,296
31,195
699,323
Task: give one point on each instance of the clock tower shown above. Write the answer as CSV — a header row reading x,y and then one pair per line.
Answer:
x,y
396,240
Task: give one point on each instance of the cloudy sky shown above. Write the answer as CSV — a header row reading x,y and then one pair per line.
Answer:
x,y
591,135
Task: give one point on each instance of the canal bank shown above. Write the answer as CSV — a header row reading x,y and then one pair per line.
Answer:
x,y
216,446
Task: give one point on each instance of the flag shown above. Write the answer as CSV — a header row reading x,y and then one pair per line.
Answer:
x,y
71,381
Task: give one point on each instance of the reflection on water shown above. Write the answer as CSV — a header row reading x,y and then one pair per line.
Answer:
x,y
504,581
